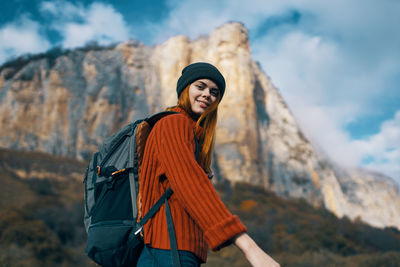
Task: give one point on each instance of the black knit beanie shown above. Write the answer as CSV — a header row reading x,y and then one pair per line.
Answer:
x,y
200,70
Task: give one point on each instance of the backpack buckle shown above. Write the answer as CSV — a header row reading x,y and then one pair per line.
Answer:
x,y
118,172
138,230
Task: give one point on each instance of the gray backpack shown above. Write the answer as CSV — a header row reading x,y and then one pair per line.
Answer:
x,y
111,188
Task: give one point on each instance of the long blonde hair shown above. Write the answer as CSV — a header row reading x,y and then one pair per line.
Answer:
x,y
208,121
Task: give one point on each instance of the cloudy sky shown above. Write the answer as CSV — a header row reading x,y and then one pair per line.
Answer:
x,y
336,62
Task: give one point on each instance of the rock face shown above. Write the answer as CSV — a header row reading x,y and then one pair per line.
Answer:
x,y
69,105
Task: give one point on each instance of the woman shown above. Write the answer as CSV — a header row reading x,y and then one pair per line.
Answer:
x,y
200,218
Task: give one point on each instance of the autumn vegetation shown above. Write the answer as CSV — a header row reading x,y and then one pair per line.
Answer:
x,y
41,212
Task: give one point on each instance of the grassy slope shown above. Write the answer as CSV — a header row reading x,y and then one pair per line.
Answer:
x,y
9,185
40,212
297,234
41,222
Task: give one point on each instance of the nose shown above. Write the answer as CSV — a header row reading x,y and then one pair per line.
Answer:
x,y
206,93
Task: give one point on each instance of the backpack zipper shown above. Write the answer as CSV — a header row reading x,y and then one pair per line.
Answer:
x,y
112,223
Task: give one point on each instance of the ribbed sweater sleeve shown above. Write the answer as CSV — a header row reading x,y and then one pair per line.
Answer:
x,y
190,183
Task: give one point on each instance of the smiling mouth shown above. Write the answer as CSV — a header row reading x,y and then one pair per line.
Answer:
x,y
203,104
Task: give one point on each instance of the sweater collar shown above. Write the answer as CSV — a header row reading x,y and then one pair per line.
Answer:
x,y
198,130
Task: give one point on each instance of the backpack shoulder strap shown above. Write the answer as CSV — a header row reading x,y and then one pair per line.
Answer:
x,y
196,152
132,173
156,117
172,237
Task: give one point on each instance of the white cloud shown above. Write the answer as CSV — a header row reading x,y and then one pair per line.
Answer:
x,y
78,25
189,18
21,36
194,18
62,10
382,149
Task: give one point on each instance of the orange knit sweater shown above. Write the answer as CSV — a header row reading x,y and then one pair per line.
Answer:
x,y
200,218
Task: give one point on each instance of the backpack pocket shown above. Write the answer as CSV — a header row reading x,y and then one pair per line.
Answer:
x,y
112,200
113,243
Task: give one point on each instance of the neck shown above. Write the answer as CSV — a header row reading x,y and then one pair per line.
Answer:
x,y
190,113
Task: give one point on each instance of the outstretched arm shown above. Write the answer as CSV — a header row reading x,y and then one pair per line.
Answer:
x,y
192,188
254,254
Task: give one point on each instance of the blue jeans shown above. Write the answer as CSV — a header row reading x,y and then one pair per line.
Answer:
x,y
153,257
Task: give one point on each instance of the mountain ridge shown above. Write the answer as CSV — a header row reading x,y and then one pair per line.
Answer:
x,y
67,105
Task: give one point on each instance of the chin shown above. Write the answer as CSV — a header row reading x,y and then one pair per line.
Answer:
x,y
198,112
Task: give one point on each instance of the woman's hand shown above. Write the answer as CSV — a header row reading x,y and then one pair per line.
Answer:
x,y
254,254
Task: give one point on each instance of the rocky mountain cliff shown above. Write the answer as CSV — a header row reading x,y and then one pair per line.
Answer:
x,y
67,105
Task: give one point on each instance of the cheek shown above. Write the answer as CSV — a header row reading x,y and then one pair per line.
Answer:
x,y
192,94
192,99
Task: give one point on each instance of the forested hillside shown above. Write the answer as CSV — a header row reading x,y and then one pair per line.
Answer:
x,y
41,211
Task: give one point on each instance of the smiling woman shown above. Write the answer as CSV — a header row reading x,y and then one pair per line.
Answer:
x,y
198,88
202,94
178,156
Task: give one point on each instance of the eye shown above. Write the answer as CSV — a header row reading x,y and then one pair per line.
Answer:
x,y
214,92
200,86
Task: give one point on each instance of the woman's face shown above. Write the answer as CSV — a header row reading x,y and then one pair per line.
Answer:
x,y
202,93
